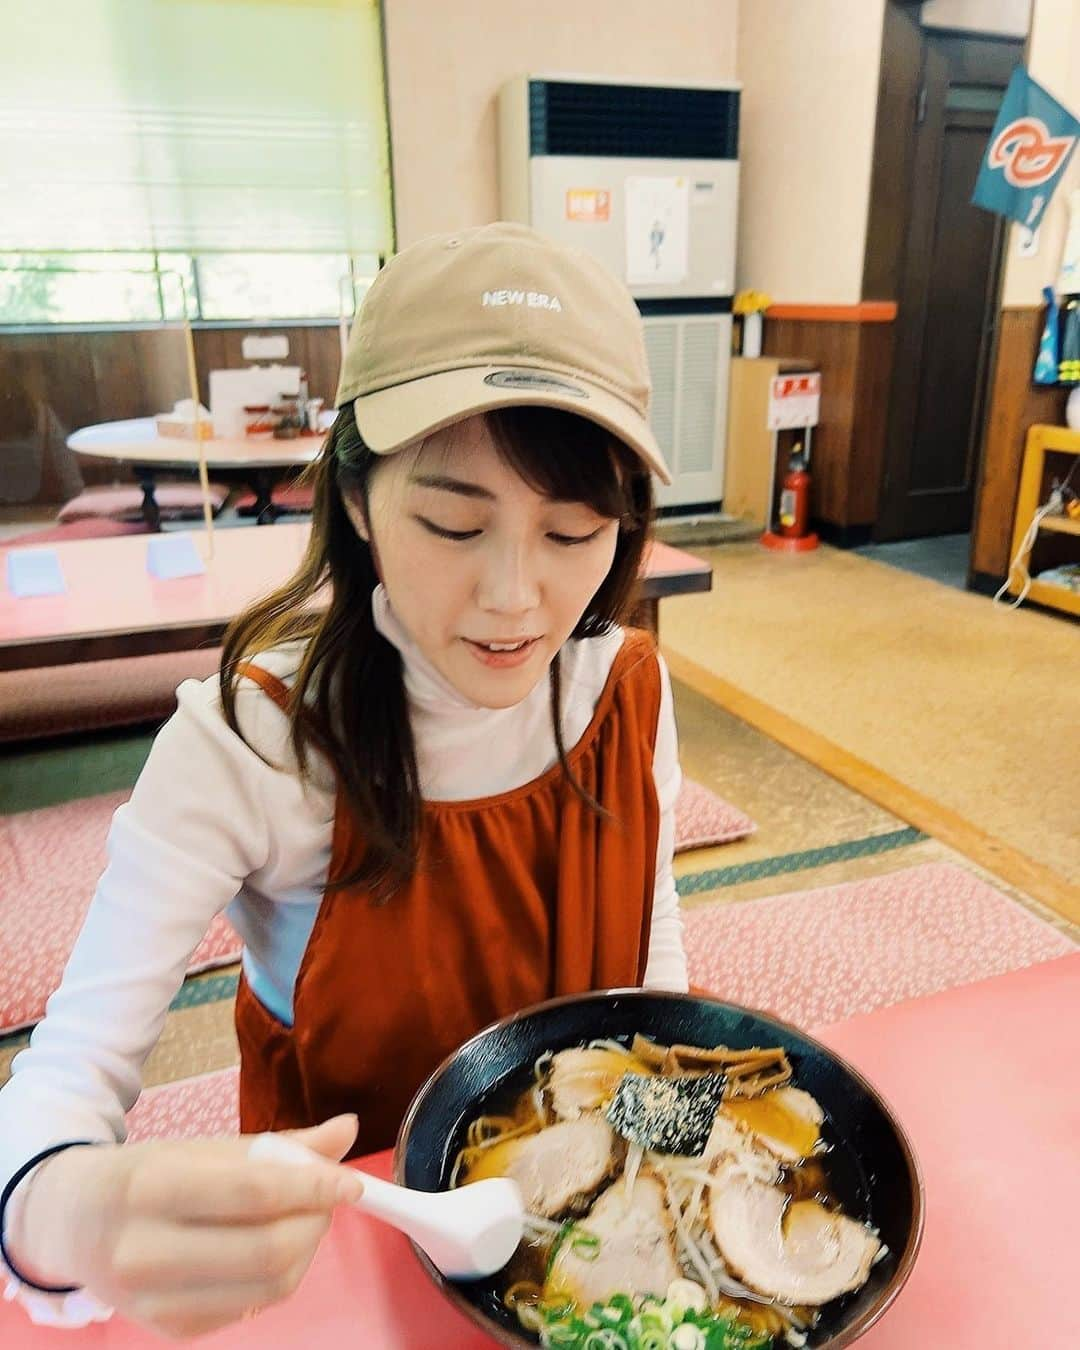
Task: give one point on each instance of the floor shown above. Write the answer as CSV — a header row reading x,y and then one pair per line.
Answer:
x,y
943,558
950,711
16,520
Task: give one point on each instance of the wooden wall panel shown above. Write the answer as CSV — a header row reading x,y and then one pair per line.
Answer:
x,y
855,361
873,380
1015,405
53,383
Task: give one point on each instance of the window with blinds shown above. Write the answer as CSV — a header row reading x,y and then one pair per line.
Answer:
x,y
240,145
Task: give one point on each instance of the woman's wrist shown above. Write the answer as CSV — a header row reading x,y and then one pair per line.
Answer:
x,y
35,1218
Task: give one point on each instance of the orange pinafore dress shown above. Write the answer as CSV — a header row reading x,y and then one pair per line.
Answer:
x,y
515,898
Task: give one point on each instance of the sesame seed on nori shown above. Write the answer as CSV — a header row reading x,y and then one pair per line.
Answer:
x,y
667,1114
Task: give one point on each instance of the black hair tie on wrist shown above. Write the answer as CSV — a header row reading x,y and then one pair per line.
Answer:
x,y
9,1191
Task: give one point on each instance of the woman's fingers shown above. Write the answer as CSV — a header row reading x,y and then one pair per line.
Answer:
x,y
198,1258
181,1315
333,1138
231,1188
184,1237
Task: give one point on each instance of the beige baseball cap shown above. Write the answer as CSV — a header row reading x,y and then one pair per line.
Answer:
x,y
496,317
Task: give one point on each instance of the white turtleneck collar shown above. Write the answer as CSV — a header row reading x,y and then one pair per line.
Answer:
x,y
465,750
424,685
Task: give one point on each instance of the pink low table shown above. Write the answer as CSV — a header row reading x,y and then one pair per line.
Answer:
x,y
114,607
983,1078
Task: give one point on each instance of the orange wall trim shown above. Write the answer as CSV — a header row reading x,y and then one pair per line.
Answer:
x,y
866,311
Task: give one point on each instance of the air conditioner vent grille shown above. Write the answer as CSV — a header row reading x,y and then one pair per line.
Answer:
x,y
661,347
697,398
632,121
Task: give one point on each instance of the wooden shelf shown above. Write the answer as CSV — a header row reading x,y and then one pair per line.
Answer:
x,y
1041,441
1056,597
1060,525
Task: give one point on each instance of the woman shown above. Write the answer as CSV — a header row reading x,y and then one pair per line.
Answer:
x,y
434,783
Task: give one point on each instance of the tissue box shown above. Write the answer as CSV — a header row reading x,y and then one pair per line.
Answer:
x,y
168,424
34,571
171,556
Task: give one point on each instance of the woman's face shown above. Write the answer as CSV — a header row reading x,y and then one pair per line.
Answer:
x,y
487,576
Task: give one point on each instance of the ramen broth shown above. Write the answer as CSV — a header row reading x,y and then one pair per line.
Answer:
x,y
522,1107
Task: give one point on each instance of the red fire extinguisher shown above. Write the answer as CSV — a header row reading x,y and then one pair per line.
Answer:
x,y
795,497
794,534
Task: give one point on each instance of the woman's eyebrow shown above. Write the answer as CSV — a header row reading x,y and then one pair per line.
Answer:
x,y
444,483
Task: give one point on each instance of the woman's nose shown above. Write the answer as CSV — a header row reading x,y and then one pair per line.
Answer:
x,y
509,584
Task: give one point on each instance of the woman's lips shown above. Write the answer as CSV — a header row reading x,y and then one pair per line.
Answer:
x,y
502,655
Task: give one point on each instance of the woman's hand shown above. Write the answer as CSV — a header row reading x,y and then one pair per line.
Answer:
x,y
183,1237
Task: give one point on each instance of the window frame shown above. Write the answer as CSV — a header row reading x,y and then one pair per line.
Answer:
x,y
195,316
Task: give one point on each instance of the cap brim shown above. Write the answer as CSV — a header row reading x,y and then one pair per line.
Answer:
x,y
390,419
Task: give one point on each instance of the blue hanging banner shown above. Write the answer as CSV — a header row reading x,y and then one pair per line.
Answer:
x,y
1030,147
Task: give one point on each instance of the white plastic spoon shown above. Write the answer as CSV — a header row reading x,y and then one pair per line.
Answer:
x,y
468,1233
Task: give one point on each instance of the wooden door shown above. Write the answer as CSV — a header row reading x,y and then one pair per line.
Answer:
x,y
947,295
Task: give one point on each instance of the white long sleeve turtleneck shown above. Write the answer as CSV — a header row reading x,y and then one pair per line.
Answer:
x,y
212,826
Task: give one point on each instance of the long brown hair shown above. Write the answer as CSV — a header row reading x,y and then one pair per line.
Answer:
x,y
366,736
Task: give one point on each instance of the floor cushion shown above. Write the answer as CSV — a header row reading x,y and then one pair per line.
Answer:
x,y
176,501
89,695
287,497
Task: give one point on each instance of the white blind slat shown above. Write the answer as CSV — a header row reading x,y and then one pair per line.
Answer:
x,y
193,126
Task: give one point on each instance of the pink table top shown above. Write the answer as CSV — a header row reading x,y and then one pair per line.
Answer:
x,y
111,593
983,1078
662,560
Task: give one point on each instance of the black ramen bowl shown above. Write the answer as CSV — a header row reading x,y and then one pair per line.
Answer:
x,y
872,1170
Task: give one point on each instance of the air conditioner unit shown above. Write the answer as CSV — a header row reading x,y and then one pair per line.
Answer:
x,y
645,178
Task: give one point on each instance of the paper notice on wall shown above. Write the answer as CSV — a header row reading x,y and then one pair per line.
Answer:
x,y
657,230
794,401
588,204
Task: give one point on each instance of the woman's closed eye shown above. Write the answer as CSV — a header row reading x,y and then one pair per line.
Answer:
x,y
461,536
569,540
444,533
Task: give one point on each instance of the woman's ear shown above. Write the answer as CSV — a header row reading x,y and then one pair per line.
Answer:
x,y
353,502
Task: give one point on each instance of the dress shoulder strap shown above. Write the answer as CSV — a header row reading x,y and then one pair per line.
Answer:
x,y
638,648
269,684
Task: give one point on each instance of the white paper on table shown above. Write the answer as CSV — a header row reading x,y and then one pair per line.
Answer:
x,y
657,230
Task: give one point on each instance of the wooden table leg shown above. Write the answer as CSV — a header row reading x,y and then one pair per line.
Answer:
x,y
150,510
264,510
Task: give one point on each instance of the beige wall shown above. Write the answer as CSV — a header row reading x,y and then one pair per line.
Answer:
x,y
1054,61
447,58
1008,18
809,70
810,74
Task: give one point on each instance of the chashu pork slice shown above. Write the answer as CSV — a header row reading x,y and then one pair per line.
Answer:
x,y
560,1168
800,1252
585,1079
786,1120
625,1245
